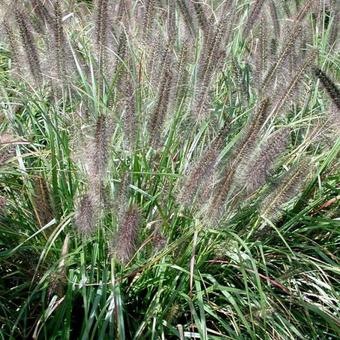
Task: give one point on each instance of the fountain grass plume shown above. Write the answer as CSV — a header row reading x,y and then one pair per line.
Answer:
x,y
160,111
28,44
87,214
239,152
254,14
129,113
59,42
124,245
283,96
286,188
100,154
202,171
275,18
42,201
328,84
187,17
264,159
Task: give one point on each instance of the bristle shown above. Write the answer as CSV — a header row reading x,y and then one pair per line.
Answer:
x,y
166,59
59,41
161,109
210,60
3,202
28,44
240,152
7,147
86,217
294,82
333,39
295,32
252,17
289,186
124,245
261,56
187,17
129,117
42,14
262,162
171,22
203,169
181,86
329,86
101,146
102,31
13,45
304,10
201,16
148,18
124,12
42,201
275,18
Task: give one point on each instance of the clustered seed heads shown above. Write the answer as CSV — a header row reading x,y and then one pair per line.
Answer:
x,y
152,68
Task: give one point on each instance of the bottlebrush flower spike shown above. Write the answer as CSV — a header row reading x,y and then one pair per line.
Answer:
x,y
124,246
329,85
240,152
201,173
288,187
262,162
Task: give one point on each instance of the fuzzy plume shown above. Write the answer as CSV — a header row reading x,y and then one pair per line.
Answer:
x,y
171,22
13,45
102,28
305,9
240,152
42,15
124,245
58,279
262,162
182,75
293,84
87,214
59,42
100,153
329,86
211,58
129,116
202,17
42,201
160,111
285,52
261,55
124,11
187,17
202,171
289,185
252,17
333,39
122,196
7,147
28,44
149,14
275,17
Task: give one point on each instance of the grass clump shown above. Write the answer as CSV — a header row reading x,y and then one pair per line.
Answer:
x,y
171,172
